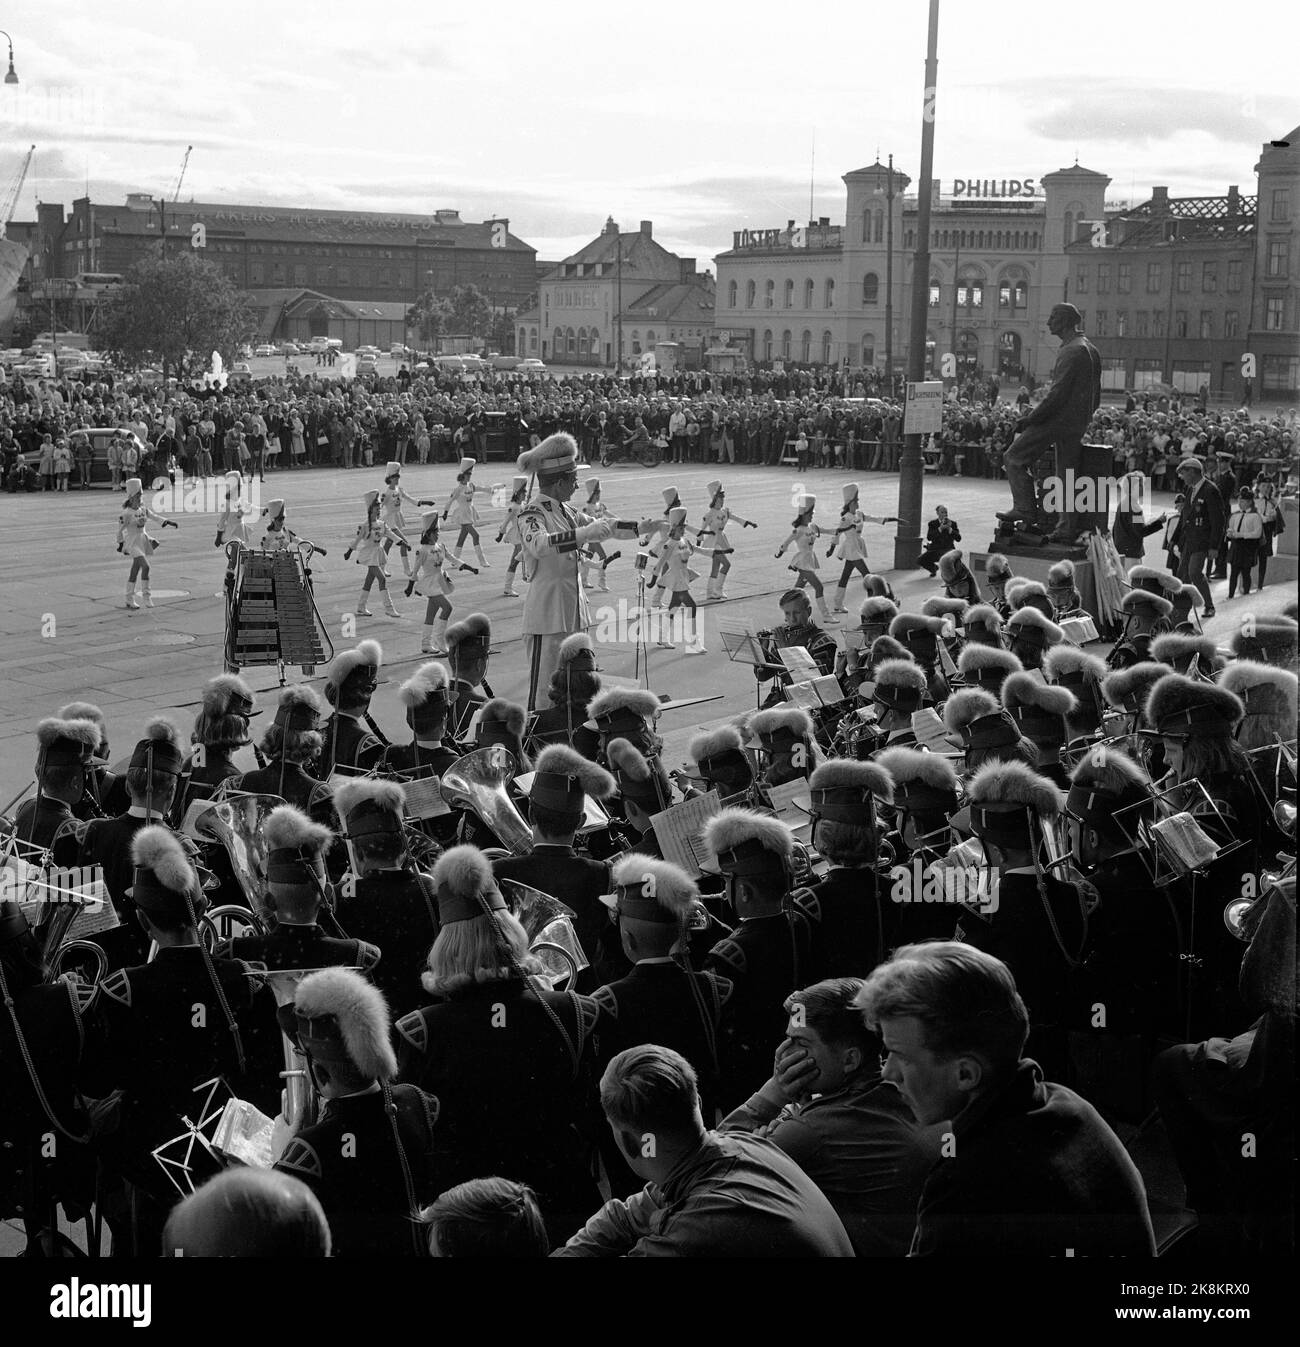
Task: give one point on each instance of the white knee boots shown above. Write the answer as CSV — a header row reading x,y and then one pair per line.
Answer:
x,y
837,602
362,610
388,604
824,614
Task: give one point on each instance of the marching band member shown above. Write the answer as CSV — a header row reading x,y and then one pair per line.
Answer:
x,y
1187,603
1063,592
507,1059
371,1157
135,542
1146,613
1188,654
643,788
430,579
349,686
998,573
574,685
390,502
510,534
427,698
627,713
673,530
899,690
986,667
469,644
291,744
720,758
1083,674
804,534
1039,926
764,957
297,886
787,736
984,730
105,790
1268,640
502,722
1022,593
848,546
1029,634
248,1213
230,524
557,798
64,761
1269,696
387,901
462,512
874,616
369,547
556,605
660,998
714,527
920,635
157,1031
1041,713
798,629
852,919
221,727
958,582
981,625
591,510
1126,692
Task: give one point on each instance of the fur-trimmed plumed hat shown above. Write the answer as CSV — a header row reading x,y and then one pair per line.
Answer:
x,y
165,882
641,781
563,778
469,639
1187,600
982,625
618,710
924,783
986,667
223,717
502,722
919,633
846,791
577,653
1061,576
367,808
300,708
1105,782
749,844
646,888
160,749
718,751
66,743
1178,651
354,674
556,455
88,711
1185,708
1146,604
1039,709
1028,594
466,889
1028,627
1269,696
1267,640
340,1018
1073,668
941,607
997,568
780,728
899,685
949,564
1003,795
424,695
876,614
976,720
1154,580
295,847
1127,689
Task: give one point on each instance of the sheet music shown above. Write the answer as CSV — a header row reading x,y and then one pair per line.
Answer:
x,y
930,731
791,803
740,641
189,825
679,831
1079,630
424,798
799,663
852,638
244,1133
593,816
823,690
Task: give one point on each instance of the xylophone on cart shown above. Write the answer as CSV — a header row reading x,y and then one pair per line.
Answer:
x,y
271,613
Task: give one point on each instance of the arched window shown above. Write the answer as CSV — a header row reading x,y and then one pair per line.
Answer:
x,y
650,340
522,341
878,234
1020,296
532,340
830,292
767,344
789,294
866,226
808,294
868,352
934,292
785,344
769,294
731,294
826,348
750,289
871,288
805,347
572,340
558,348
636,342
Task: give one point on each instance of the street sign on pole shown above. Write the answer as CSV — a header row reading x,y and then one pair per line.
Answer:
x,y
923,411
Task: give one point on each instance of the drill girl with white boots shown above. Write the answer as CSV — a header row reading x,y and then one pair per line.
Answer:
x,y
390,501
460,509
369,547
804,534
134,542
848,546
430,578
716,519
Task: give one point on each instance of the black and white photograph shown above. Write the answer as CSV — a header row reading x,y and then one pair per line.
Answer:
x,y
674,636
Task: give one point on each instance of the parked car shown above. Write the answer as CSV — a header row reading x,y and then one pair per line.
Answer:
x,y
505,362
264,349
240,370
367,365
531,363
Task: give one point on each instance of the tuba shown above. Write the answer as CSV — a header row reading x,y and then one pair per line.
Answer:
x,y
298,1101
548,923
236,823
477,782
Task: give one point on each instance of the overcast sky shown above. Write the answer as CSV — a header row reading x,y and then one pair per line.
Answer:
x,y
698,116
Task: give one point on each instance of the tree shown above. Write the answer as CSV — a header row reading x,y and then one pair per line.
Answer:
x,y
502,334
177,309
472,313
430,317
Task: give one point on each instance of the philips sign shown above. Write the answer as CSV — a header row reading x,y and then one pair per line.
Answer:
x,y
993,188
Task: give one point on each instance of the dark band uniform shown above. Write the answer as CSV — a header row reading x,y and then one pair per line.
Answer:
x,y
301,947
395,910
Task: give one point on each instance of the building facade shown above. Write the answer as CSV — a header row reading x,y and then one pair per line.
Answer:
x,y
353,256
620,286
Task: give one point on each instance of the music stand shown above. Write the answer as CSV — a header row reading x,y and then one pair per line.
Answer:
x,y
742,647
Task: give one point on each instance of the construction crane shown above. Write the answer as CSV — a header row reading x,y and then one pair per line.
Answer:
x,y
185,163
162,205
10,203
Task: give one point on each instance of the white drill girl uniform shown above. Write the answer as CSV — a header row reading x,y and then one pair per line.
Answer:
x,y
510,533
462,513
591,513
429,579
850,549
368,547
135,542
674,576
803,536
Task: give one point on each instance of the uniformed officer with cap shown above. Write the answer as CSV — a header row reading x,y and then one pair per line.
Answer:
x,y
555,605
297,887
349,686
765,956
386,899
370,1159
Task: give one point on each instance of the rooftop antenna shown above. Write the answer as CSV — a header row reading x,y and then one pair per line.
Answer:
x,y
812,175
